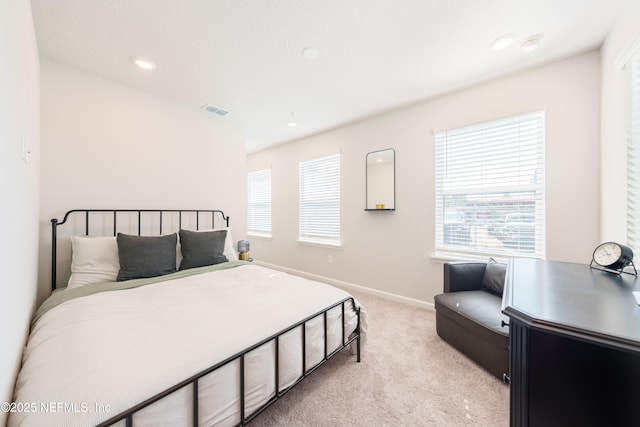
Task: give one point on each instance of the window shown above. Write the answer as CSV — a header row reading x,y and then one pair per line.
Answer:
x,y
633,158
490,188
320,200
259,203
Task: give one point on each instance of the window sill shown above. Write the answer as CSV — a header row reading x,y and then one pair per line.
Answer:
x,y
320,243
443,257
260,236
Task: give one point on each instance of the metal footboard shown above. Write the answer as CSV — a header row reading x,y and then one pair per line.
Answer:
x,y
245,418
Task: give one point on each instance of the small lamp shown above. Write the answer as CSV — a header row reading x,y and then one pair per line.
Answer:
x,y
243,250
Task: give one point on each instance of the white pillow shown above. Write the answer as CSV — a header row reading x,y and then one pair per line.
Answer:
x,y
93,260
229,251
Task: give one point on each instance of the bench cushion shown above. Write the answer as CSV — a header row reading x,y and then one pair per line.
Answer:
x,y
477,311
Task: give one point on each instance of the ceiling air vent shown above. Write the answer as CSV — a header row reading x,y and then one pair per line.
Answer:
x,y
213,109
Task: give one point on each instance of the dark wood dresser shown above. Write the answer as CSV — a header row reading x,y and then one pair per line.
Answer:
x,y
574,345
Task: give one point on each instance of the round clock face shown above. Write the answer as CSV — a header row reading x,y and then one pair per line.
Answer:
x,y
607,254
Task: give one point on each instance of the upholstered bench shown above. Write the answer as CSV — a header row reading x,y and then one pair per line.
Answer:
x,y
469,314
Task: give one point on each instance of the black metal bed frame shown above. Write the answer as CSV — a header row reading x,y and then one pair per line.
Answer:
x,y
193,380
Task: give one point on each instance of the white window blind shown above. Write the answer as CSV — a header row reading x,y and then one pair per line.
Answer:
x,y
633,158
259,203
490,188
320,200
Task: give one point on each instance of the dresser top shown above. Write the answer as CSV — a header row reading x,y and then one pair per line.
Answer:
x,y
573,299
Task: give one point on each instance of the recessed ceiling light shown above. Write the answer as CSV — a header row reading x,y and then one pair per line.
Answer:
x,y
310,53
144,63
213,109
530,44
292,121
502,42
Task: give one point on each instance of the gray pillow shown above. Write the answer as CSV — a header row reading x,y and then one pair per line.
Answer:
x,y
200,248
146,256
493,279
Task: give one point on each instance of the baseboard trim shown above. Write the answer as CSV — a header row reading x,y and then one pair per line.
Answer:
x,y
340,284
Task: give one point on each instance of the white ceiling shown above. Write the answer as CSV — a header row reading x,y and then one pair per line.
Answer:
x,y
246,55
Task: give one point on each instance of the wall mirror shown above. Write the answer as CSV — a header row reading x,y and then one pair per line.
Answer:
x,y
381,180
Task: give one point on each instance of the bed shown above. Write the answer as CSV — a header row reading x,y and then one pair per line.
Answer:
x,y
132,339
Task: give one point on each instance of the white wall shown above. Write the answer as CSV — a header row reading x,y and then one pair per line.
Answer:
x,y
19,120
105,145
391,251
615,100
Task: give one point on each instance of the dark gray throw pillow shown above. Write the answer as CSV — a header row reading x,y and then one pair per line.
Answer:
x,y
146,256
200,248
493,280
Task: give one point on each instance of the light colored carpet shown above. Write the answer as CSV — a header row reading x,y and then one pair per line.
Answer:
x,y
408,377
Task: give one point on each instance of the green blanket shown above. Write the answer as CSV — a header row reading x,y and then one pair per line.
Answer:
x,y
61,296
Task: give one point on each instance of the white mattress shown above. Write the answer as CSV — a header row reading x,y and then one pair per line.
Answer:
x,y
93,357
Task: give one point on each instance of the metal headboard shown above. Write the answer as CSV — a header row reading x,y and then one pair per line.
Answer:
x,y
199,213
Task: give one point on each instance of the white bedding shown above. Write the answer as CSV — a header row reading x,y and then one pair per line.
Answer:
x,y
92,357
